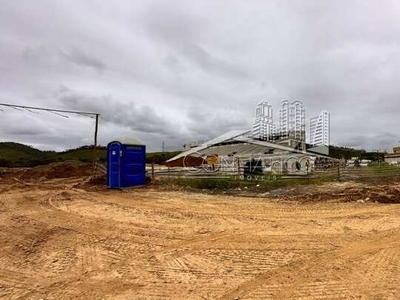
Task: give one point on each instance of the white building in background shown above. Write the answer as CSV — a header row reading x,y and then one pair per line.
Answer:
x,y
292,121
320,129
263,126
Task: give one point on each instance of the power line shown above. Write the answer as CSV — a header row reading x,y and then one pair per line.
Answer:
x,y
59,113
49,109
34,112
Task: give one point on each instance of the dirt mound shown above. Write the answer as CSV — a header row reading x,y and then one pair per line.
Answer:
x,y
93,183
362,194
9,171
388,195
380,193
55,170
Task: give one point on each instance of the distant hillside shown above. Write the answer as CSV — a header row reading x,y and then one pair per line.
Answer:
x,y
160,157
347,153
19,155
84,154
14,150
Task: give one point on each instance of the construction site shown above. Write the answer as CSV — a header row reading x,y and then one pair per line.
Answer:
x,y
199,150
234,217
66,236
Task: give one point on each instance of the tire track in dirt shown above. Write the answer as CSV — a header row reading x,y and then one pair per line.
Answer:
x,y
18,283
101,245
6,202
291,276
98,252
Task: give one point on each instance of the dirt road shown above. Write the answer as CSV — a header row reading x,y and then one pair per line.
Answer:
x,y
61,242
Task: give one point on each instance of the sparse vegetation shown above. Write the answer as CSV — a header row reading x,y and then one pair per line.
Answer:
x,y
348,153
160,157
224,184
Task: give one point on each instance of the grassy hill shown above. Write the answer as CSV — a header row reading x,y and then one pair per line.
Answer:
x,y
160,157
84,154
19,155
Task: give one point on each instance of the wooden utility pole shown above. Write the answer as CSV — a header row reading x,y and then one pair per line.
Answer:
x,y
96,129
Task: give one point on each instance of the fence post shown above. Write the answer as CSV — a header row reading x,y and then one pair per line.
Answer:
x,y
238,166
339,175
152,171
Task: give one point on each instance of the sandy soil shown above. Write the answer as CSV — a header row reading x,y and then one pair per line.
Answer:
x,y
59,241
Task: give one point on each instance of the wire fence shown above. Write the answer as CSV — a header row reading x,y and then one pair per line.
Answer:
x,y
355,173
339,173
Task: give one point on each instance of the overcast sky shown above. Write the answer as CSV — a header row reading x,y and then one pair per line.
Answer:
x,y
178,71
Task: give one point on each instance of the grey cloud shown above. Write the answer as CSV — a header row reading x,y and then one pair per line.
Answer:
x,y
34,52
376,141
212,64
25,131
170,21
176,71
174,63
81,58
142,119
23,123
181,30
206,123
196,115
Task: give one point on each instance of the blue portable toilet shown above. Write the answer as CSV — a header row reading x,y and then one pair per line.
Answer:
x,y
126,164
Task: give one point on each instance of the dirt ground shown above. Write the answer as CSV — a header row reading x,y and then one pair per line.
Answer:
x,y
61,240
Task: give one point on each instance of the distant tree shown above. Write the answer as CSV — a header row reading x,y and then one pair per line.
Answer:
x,y
348,153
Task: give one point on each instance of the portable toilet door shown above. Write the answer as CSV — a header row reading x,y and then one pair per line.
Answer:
x,y
114,154
133,165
